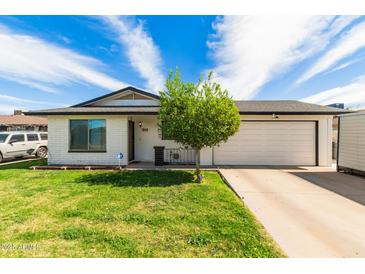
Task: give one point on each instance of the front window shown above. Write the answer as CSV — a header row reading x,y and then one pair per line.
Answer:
x,y
3,137
87,135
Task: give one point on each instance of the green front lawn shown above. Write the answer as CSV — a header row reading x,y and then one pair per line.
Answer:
x,y
124,214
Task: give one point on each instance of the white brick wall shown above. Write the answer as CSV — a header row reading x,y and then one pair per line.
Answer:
x,y
116,141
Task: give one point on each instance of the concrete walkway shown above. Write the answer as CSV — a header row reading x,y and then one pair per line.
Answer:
x,y
310,212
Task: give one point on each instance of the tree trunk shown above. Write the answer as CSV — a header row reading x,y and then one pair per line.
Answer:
x,y
199,176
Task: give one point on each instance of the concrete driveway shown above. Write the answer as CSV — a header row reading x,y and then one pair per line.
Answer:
x,y
310,212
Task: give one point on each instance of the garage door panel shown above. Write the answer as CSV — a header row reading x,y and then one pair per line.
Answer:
x,y
264,148
269,161
305,159
266,144
267,154
269,143
261,134
264,141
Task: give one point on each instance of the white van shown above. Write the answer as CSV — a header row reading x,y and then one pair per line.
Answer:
x,y
17,144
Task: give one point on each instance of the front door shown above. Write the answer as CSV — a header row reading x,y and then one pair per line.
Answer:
x,y
130,140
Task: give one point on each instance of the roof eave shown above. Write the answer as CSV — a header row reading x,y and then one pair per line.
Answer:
x,y
94,113
37,113
291,112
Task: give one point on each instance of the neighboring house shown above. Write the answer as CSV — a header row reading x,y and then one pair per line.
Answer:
x,y
335,128
334,137
271,133
20,122
351,147
337,105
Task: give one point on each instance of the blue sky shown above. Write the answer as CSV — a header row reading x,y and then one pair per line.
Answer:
x,y
57,61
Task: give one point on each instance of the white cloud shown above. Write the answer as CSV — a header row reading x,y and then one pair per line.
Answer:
x,y
340,23
345,64
22,100
37,63
13,102
141,51
17,99
352,94
350,42
33,84
9,109
250,50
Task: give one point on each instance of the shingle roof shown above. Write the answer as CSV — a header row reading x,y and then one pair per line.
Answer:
x,y
245,107
22,120
284,106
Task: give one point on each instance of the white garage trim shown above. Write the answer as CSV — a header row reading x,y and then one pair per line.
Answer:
x,y
271,142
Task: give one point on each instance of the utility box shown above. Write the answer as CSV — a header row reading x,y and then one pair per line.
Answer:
x,y
351,143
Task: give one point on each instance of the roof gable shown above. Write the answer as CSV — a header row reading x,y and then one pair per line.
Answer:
x,y
129,96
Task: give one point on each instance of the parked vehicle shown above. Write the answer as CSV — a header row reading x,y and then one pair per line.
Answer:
x,y
19,144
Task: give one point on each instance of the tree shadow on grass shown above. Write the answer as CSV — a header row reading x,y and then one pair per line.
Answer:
x,y
138,178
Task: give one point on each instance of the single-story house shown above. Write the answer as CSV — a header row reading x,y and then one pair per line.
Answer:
x,y
271,133
20,122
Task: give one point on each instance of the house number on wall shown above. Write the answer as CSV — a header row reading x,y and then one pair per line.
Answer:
x,y
144,129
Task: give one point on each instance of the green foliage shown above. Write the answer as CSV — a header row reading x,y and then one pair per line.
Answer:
x,y
199,239
72,233
197,115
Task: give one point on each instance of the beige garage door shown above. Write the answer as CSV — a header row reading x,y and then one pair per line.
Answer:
x,y
269,143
